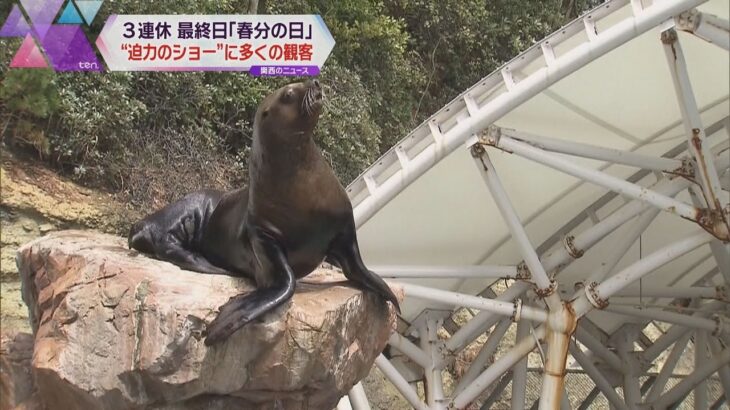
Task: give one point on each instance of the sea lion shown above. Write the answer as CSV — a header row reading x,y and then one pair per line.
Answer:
x,y
294,215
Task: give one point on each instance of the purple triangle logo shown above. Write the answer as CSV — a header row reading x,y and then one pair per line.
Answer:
x,y
65,45
15,25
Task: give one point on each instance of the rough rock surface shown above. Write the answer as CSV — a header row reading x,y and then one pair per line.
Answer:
x,y
17,390
115,329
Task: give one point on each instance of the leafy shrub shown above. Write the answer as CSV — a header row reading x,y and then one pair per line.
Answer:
x,y
29,99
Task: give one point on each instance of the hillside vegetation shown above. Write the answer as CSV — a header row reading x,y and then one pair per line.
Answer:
x,y
149,137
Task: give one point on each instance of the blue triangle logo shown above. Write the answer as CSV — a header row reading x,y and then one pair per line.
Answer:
x,y
89,8
70,15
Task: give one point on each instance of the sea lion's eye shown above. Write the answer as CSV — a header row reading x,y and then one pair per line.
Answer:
x,y
265,113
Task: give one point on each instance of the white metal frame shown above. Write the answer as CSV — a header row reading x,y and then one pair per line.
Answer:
x,y
551,319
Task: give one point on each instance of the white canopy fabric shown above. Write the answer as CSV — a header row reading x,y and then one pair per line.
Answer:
x,y
625,100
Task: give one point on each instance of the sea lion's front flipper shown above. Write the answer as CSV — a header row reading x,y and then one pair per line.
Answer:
x,y
345,252
275,281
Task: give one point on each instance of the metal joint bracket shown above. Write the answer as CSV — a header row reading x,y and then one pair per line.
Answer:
x,y
545,292
713,221
490,136
593,297
516,311
477,150
688,21
569,243
523,272
687,169
669,36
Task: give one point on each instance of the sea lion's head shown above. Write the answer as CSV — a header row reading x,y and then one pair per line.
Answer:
x,y
291,110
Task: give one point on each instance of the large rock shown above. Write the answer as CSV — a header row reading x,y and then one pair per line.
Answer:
x,y
117,330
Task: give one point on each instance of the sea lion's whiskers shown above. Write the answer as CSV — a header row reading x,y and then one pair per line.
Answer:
x,y
305,102
308,102
303,108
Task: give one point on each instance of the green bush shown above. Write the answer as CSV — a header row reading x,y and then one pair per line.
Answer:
x,y
153,136
29,98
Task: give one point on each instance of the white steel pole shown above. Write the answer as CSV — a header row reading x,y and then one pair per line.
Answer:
x,y
598,295
601,382
498,368
597,348
446,297
696,139
700,395
671,292
519,372
483,320
434,386
564,400
409,349
400,383
592,235
446,272
716,31
664,341
691,322
611,155
682,388
668,367
632,389
724,371
611,182
358,399
652,261
545,286
675,332
344,403
485,354
560,326
619,250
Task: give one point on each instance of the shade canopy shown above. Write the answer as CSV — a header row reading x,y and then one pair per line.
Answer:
x,y
624,100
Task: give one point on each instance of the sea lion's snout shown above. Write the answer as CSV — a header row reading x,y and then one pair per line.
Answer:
x,y
316,88
312,102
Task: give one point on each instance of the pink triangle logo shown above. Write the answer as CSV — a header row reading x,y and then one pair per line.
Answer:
x,y
28,55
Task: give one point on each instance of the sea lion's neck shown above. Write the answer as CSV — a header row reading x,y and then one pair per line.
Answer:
x,y
283,158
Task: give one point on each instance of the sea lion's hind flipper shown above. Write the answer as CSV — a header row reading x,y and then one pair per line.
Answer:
x,y
275,282
346,252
